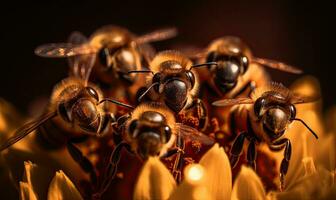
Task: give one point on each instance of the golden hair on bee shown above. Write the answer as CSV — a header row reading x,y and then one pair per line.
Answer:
x,y
111,36
170,55
155,107
273,88
283,94
69,88
229,45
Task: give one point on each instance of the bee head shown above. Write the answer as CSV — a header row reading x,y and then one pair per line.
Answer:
x,y
228,69
149,132
275,114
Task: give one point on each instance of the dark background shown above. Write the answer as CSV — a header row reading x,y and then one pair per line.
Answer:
x,y
293,32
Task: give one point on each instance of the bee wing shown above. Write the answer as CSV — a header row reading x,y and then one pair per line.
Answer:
x,y
26,129
81,64
192,52
190,133
77,38
61,50
300,99
147,51
277,65
158,35
232,102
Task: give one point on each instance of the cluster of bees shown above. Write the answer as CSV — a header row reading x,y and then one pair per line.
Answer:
x,y
116,70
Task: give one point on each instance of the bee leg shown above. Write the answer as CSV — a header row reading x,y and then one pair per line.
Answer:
x,y
178,164
120,122
202,113
83,162
252,154
277,146
237,149
232,123
110,170
170,153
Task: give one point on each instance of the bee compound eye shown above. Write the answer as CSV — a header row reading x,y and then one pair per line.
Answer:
x,y
191,78
292,111
167,132
211,56
93,93
63,112
132,127
258,105
156,79
103,55
244,63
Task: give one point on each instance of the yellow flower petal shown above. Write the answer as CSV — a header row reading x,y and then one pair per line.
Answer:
x,y
248,186
193,186
154,182
61,188
31,171
316,183
325,154
37,177
218,173
26,192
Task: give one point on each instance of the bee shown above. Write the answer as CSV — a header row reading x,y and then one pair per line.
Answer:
x,y
151,130
173,82
75,111
265,117
237,71
110,53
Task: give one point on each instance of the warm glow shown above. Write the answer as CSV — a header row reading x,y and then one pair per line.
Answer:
x,y
194,172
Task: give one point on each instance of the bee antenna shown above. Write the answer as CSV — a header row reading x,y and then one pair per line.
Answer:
x,y
203,64
116,102
145,92
140,71
300,120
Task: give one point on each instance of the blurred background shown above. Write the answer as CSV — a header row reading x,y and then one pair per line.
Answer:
x,y
290,31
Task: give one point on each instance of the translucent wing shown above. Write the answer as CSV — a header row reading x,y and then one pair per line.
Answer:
x,y
158,35
190,133
232,102
26,129
61,50
300,99
147,51
277,65
192,52
77,38
81,64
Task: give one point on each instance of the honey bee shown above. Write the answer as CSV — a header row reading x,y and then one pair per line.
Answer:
x,y
265,117
173,82
75,111
236,71
151,130
110,53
